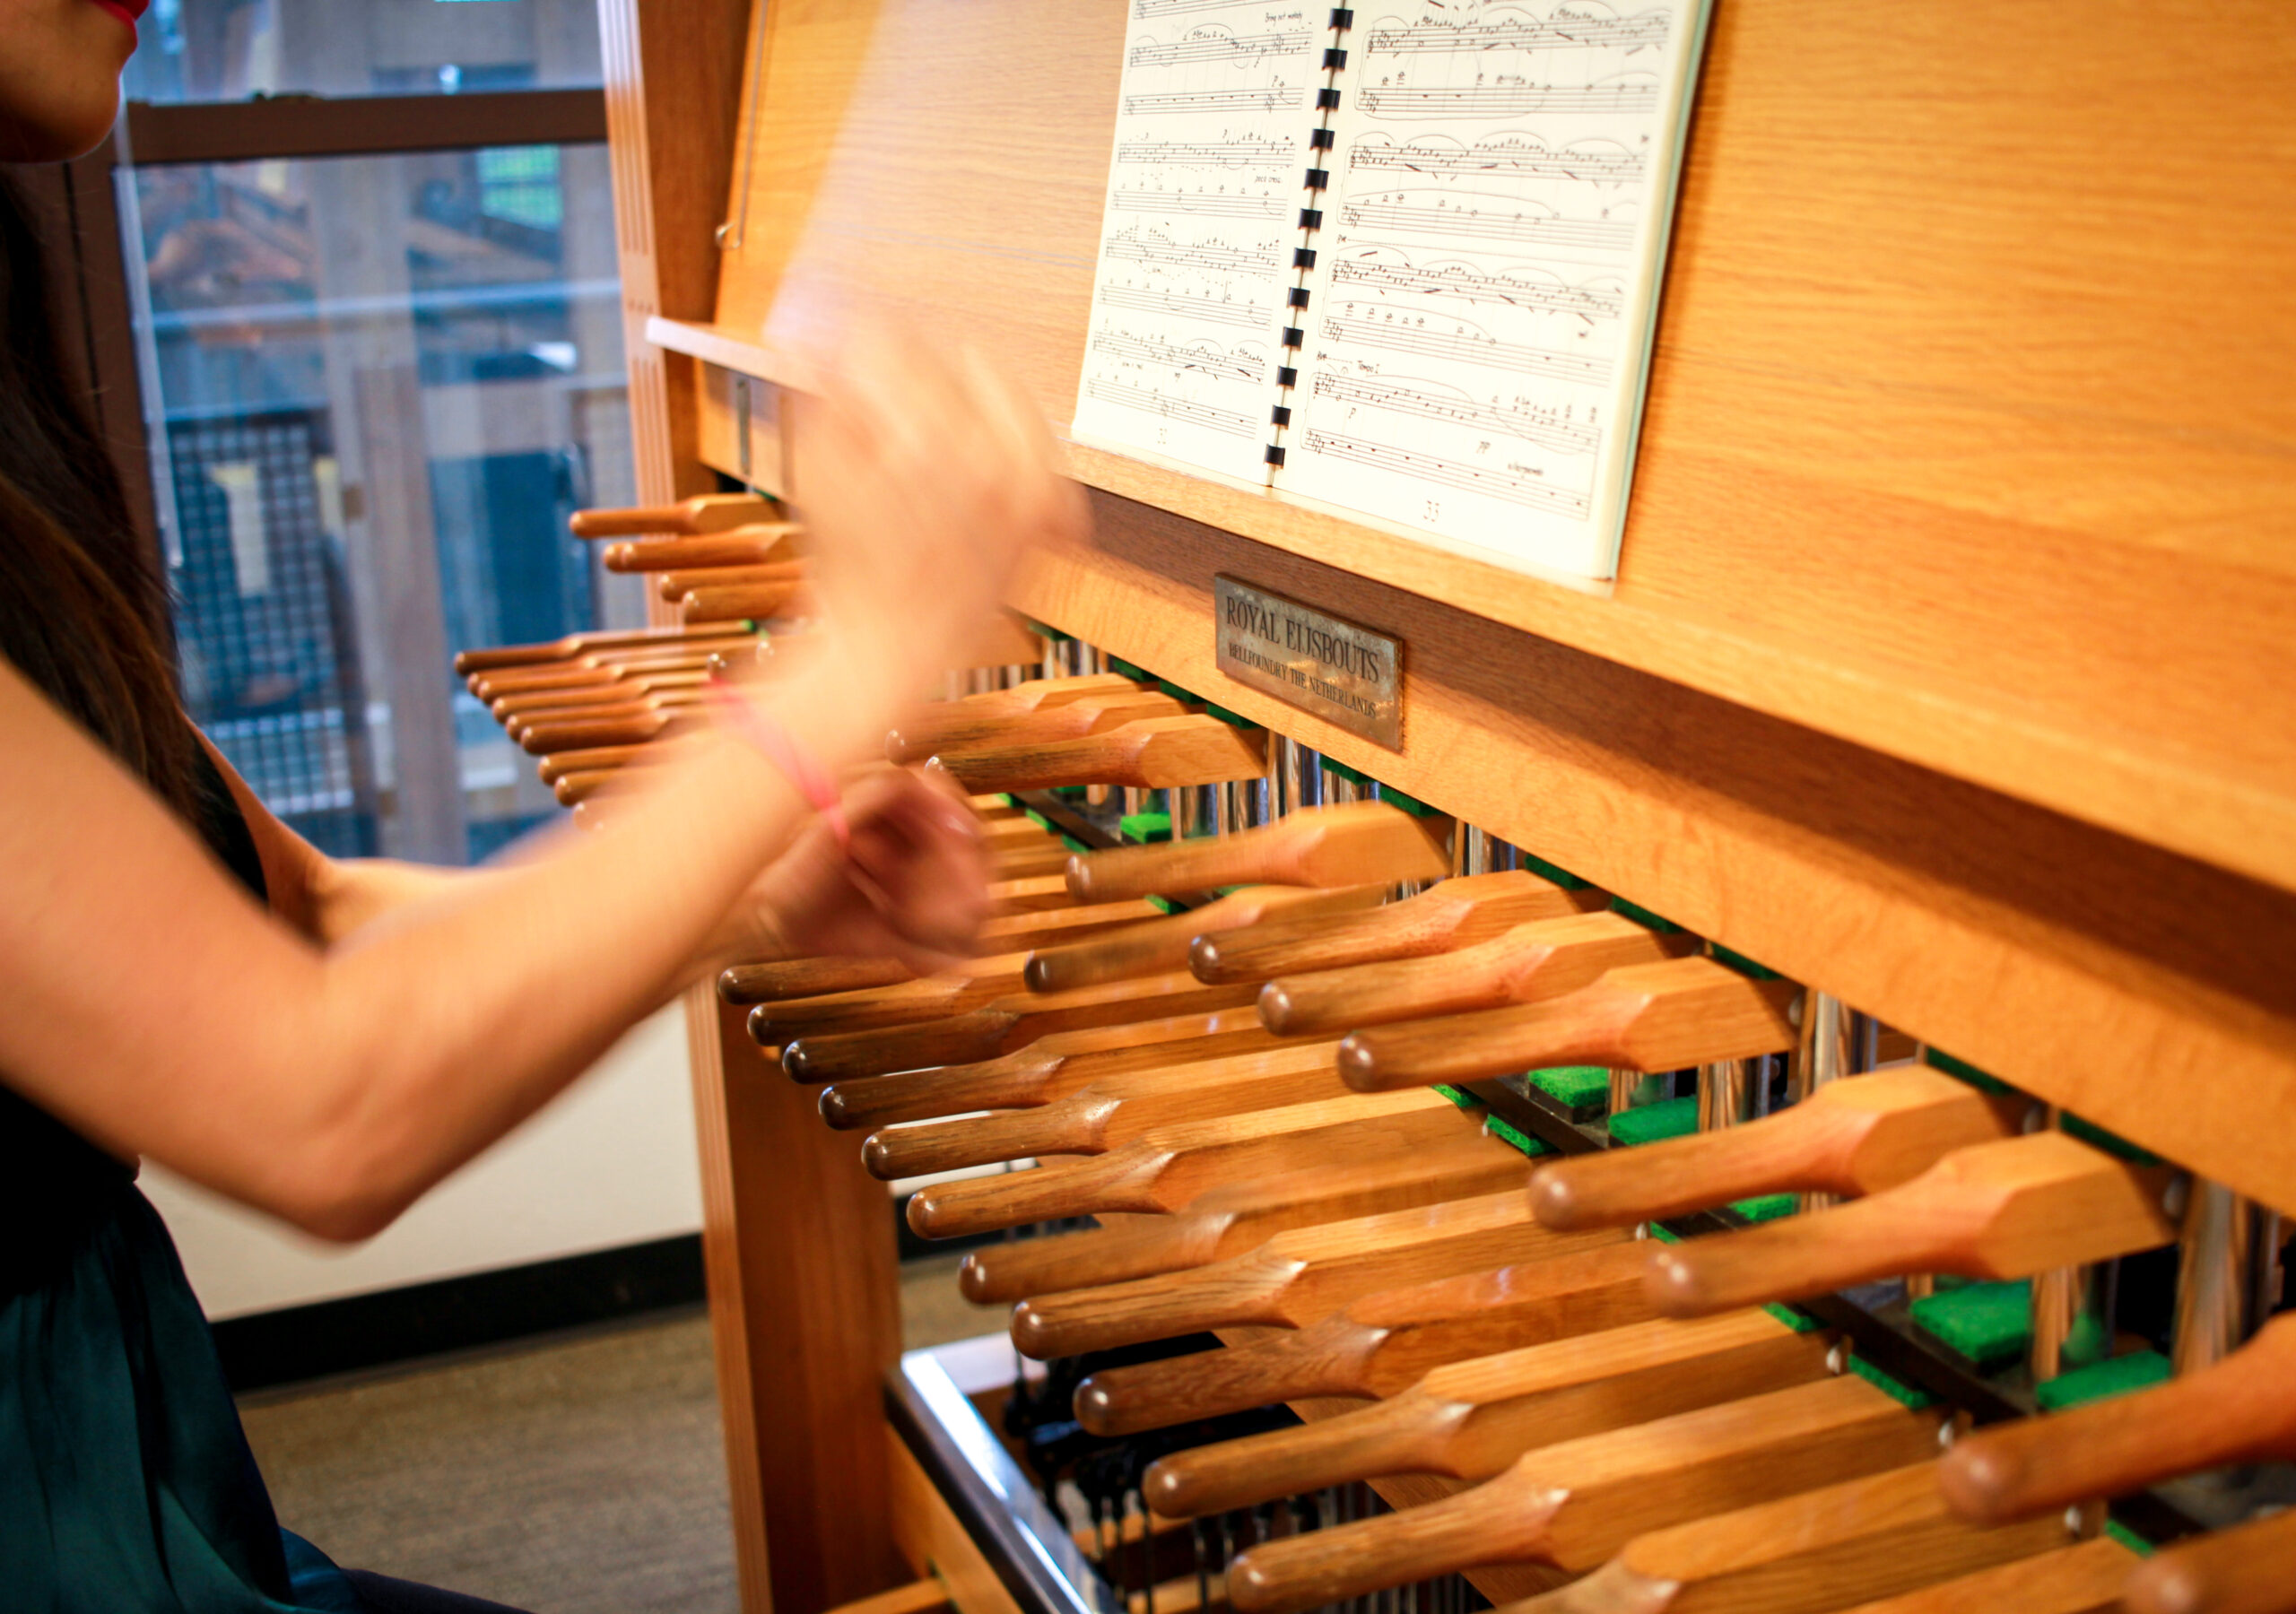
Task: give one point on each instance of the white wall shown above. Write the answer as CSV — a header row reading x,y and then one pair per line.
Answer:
x,y
612,1162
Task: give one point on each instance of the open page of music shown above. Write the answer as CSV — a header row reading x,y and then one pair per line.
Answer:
x,y
1487,270
1217,103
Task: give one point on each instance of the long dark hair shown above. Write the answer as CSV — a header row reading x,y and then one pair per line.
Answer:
x,y
83,608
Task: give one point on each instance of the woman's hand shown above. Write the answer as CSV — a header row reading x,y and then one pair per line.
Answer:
x,y
913,886
922,479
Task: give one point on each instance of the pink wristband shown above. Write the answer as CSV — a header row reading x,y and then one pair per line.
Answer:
x,y
774,743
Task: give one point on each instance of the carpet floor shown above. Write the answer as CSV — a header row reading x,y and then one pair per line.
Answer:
x,y
578,1475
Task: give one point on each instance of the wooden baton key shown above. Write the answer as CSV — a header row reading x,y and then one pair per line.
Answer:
x,y
1383,1343
1235,1218
1002,1026
1573,1503
1163,944
1455,914
2086,1579
1107,1113
973,719
758,545
703,513
1062,720
744,984
2237,1411
2248,1569
1363,842
1848,1138
1814,1553
903,1003
1151,754
674,587
1471,1419
641,681
601,758
1645,1017
1165,1169
643,727
468,662
1542,959
1297,1277
2000,1211
1044,1073
745,603
598,667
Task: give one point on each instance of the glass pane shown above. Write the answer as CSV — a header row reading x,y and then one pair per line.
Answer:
x,y
208,50
379,385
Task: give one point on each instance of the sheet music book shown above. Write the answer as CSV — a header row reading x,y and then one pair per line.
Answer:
x,y
1402,260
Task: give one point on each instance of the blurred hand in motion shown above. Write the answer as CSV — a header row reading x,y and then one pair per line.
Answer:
x,y
923,478
914,885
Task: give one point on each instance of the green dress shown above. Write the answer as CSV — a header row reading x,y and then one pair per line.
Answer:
x,y
126,1486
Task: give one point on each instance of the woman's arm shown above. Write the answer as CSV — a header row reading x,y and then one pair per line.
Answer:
x,y
154,1008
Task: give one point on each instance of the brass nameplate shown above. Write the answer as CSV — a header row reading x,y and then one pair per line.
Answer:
x,y
1345,674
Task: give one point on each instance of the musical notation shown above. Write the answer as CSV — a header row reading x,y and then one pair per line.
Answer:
x,y
1510,157
1206,153
1514,487
1565,30
1589,302
1513,101
1204,308
1173,408
1472,218
1198,202
1198,230
1531,426
1213,256
1276,98
1235,364
1148,11
1516,358
1227,49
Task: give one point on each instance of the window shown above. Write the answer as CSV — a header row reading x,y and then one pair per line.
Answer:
x,y
227,50
374,388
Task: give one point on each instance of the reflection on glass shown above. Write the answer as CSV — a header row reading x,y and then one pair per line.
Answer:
x,y
380,385
210,50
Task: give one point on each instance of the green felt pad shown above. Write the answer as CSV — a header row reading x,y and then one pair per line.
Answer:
x,y
2138,1370
1990,1324
1145,826
1650,1123
1574,1085
1769,1207
1891,1385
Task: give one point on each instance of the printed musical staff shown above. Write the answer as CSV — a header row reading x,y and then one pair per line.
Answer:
x,y
1633,96
1185,308
1213,256
1234,364
1458,280
1275,98
1472,217
1225,50
1217,203
1173,408
1207,153
1409,336
1566,30
1531,426
1515,487
1148,11
1510,157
